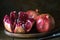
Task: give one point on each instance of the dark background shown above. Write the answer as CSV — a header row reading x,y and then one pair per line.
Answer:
x,y
50,6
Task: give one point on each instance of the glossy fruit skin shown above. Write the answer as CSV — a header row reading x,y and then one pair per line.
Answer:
x,y
32,14
44,23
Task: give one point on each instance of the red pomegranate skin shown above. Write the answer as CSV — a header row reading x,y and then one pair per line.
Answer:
x,y
44,23
32,14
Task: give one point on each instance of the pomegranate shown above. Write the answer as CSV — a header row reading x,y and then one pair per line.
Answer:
x,y
22,22
13,17
32,14
19,23
25,21
44,23
7,23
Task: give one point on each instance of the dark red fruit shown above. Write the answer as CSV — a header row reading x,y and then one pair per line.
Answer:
x,y
28,25
44,23
19,23
26,22
7,19
7,23
32,14
13,17
22,16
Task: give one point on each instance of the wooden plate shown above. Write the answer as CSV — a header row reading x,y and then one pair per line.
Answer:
x,y
31,35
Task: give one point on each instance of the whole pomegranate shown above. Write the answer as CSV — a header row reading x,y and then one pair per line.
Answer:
x,y
44,23
20,22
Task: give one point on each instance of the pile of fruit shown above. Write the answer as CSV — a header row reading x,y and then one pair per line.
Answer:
x,y
23,22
